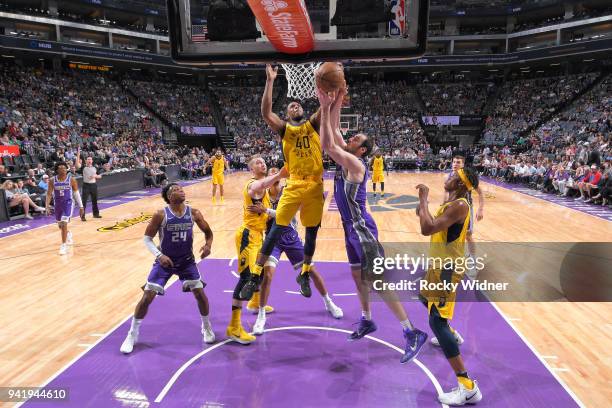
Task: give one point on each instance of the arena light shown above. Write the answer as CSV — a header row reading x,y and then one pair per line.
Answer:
x,y
588,60
555,64
8,56
493,70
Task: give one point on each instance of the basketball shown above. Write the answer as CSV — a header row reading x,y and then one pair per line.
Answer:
x,y
330,76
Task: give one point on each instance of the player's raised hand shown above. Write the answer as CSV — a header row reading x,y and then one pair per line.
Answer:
x,y
423,191
271,72
204,251
342,91
165,261
325,98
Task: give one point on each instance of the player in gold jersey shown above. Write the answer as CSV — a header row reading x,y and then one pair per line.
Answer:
x,y
248,240
304,191
219,163
378,176
448,229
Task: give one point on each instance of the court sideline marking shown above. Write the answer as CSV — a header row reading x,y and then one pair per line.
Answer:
x,y
184,367
53,222
534,351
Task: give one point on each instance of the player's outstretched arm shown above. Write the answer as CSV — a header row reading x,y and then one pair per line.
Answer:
x,y
271,118
336,110
456,212
198,218
257,187
208,163
338,154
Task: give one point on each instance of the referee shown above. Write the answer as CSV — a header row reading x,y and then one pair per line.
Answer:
x,y
90,187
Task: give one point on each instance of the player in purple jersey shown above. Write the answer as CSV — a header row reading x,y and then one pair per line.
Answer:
x,y
360,232
65,192
174,256
291,245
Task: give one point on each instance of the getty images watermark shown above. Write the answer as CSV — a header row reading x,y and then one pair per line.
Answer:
x,y
417,265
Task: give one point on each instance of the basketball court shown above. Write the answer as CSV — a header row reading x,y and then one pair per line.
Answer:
x,y
64,318
526,354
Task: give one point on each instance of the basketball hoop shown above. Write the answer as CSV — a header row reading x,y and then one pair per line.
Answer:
x,y
301,80
344,128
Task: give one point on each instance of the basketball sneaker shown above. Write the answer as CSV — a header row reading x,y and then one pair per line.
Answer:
x,y
461,395
434,340
260,325
415,339
239,335
69,240
63,249
334,310
222,199
207,333
128,344
214,200
303,279
253,305
365,327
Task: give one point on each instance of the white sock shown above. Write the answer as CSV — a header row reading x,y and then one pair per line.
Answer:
x,y
135,327
407,324
366,315
262,313
327,299
205,320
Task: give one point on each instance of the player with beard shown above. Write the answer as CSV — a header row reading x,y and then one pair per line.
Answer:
x,y
360,230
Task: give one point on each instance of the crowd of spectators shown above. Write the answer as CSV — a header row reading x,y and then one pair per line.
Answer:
x,y
579,170
522,103
241,110
61,116
180,105
388,113
462,98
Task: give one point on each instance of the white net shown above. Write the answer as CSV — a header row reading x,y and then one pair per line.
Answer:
x,y
301,80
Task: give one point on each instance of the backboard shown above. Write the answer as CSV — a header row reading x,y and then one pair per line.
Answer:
x,y
204,32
